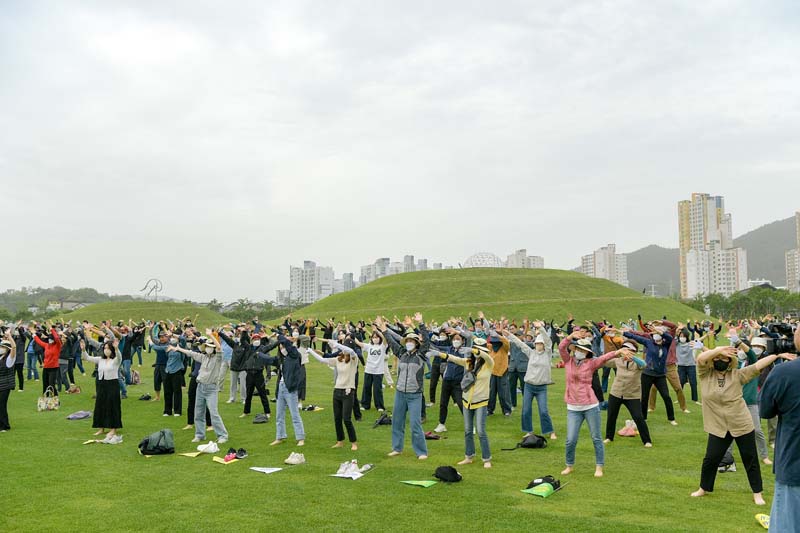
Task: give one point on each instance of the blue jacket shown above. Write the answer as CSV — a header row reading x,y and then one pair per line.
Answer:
x,y
655,354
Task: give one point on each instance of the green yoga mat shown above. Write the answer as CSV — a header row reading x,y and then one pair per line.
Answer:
x,y
544,490
423,484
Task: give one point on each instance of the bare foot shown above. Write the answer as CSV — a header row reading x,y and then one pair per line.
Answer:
x,y
99,432
606,441
553,436
698,493
112,432
598,471
394,453
487,464
766,461
567,471
301,443
465,461
353,446
648,444
188,426
758,499
338,444
422,457
276,442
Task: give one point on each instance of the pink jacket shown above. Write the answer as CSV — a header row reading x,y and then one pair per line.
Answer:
x,y
579,376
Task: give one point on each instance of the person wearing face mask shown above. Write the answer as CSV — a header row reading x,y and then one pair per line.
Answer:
x,y
440,340
452,375
411,355
344,362
656,350
209,382
725,414
627,390
160,347
191,392
108,404
537,379
254,369
582,403
288,383
479,364
51,344
373,370
233,344
173,381
8,356
687,368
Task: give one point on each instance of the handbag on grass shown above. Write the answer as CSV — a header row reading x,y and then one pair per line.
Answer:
x,y
48,401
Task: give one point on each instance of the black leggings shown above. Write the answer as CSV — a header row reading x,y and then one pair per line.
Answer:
x,y
342,411
597,388
49,379
301,388
20,376
255,381
715,450
634,407
173,399
451,390
660,383
436,372
4,422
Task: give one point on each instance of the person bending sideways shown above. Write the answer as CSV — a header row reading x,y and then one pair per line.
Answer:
x,y
725,414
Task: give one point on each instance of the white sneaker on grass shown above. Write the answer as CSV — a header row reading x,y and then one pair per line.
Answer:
x,y
440,429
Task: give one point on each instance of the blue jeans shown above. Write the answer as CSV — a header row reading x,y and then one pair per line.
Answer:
x,y
574,421
498,386
287,399
126,370
123,389
208,396
785,514
539,392
472,418
79,363
138,351
411,403
32,361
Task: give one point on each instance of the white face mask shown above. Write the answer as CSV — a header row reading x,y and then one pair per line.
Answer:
x,y
580,355
209,350
758,351
107,352
256,343
410,346
295,334
683,339
456,344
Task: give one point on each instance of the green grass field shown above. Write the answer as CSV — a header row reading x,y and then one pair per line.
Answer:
x,y
516,293
115,311
54,483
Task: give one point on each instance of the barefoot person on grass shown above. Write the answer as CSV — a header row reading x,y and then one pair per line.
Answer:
x,y
345,364
107,403
582,403
725,414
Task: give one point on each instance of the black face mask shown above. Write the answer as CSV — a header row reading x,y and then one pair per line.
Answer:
x,y
721,365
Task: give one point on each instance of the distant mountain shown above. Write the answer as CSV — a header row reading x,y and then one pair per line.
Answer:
x,y
766,250
654,265
766,247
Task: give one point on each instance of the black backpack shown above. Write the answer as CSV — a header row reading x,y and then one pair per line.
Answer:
x,y
531,441
383,420
546,479
158,443
448,474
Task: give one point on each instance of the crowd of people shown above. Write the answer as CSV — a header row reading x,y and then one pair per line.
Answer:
x,y
478,362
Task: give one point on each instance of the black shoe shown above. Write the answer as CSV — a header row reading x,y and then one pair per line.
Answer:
x,y
241,453
231,450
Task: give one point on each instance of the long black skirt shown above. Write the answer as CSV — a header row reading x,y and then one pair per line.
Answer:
x,y
107,405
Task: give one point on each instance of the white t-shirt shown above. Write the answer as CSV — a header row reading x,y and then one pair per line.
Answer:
x,y
375,356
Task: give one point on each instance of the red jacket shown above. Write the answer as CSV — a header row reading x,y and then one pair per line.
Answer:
x,y
51,351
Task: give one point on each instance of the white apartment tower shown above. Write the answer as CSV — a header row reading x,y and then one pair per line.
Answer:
x,y
793,261
310,283
709,263
606,263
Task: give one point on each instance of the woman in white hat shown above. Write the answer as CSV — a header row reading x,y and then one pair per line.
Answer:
x,y
725,414
580,364
411,355
627,390
8,355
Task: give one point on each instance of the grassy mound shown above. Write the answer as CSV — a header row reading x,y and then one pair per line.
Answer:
x,y
517,293
148,310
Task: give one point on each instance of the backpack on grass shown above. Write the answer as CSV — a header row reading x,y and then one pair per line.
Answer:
x,y
448,474
158,443
531,441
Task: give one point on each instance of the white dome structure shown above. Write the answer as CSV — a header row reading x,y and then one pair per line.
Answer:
x,y
483,260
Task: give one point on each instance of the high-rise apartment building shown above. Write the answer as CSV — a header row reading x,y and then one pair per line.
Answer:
x,y
793,261
521,259
709,264
310,283
606,263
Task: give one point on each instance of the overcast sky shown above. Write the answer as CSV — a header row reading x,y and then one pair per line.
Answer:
x,y
213,145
